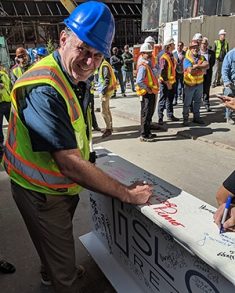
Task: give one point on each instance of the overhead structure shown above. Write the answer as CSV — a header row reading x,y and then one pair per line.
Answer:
x,y
33,23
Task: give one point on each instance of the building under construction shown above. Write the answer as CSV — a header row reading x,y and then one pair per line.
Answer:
x,y
32,23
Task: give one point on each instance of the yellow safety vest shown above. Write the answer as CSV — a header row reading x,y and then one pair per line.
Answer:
x,y
38,171
17,71
171,69
150,81
192,79
113,81
5,93
219,47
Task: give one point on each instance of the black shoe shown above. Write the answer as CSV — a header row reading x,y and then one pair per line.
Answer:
x,y
213,86
198,121
6,267
107,133
155,126
174,103
147,139
152,135
123,94
96,128
160,121
173,118
186,122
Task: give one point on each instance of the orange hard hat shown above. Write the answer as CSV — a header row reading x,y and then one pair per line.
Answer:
x,y
20,51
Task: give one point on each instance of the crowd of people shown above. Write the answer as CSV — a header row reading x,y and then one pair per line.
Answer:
x,y
47,150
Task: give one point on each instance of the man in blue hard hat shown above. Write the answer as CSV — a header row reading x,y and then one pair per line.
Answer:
x,y
41,53
47,149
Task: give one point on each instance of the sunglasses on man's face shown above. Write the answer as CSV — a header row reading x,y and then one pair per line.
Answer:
x,y
21,56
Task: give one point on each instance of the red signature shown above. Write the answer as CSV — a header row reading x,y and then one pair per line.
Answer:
x,y
166,210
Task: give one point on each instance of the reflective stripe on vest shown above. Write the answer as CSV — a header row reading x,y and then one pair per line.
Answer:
x,y
219,47
113,81
192,79
171,69
150,81
46,72
28,170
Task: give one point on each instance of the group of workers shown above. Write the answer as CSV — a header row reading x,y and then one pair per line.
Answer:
x,y
47,149
186,72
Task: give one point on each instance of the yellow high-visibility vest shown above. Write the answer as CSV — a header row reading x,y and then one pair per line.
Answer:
x,y
38,171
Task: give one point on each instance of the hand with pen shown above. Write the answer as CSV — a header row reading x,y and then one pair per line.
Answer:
x,y
225,216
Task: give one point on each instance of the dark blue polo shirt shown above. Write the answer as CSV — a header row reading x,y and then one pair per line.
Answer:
x,y
46,118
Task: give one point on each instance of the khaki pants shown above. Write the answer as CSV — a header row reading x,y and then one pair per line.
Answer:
x,y
105,111
49,222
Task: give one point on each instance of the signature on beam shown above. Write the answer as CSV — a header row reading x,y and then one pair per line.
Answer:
x,y
224,240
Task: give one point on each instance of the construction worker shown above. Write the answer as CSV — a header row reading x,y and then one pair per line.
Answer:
x,y
155,68
210,57
5,103
90,85
41,53
221,48
147,88
22,64
198,37
47,148
167,65
107,85
150,40
194,68
228,75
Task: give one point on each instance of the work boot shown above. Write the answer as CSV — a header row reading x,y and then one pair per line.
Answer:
x,y
6,267
149,138
198,121
186,122
173,118
160,121
107,133
155,126
96,128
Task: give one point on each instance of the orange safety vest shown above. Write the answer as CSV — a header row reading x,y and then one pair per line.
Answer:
x,y
195,78
150,80
171,69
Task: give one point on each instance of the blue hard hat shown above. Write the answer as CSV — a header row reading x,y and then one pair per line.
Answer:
x,y
93,23
42,51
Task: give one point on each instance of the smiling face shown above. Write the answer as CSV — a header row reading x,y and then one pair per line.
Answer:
x,y
79,60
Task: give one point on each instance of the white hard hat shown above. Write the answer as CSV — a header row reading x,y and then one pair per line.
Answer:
x,y
149,39
146,47
169,41
222,32
197,36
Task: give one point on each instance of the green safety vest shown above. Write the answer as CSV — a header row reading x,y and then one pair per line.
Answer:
x,y
5,92
219,46
112,82
38,171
